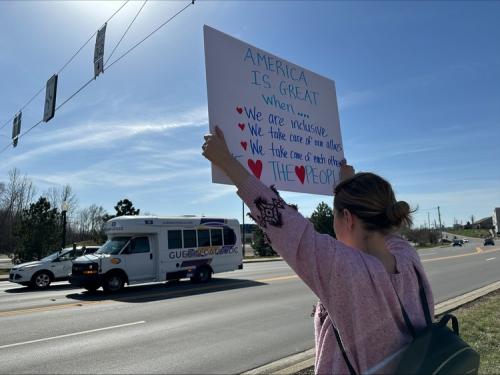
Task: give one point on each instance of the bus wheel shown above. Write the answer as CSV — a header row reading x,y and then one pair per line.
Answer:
x,y
202,275
113,283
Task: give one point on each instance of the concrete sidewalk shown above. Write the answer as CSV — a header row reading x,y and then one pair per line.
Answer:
x,y
304,360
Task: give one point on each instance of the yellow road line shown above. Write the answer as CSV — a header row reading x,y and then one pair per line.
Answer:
x,y
278,278
478,251
133,298
49,308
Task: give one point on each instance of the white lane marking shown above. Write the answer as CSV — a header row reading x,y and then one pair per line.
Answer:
x,y
490,259
71,334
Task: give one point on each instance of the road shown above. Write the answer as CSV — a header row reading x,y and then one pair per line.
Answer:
x,y
240,321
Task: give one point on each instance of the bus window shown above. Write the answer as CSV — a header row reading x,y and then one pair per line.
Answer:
x,y
229,236
175,239
189,238
203,237
216,235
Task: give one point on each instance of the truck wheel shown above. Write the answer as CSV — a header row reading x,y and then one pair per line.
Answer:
x,y
202,275
113,283
41,280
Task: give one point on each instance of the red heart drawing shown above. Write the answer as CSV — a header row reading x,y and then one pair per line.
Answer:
x,y
256,167
301,173
242,126
244,145
239,110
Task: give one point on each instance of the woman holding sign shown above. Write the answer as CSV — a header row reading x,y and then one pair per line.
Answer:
x,y
359,278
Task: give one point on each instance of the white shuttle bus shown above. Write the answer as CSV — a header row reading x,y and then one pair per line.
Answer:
x,y
144,249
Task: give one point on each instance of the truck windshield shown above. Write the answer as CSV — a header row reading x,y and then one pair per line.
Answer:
x,y
113,246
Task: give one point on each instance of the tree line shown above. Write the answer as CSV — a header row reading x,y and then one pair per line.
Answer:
x,y
31,225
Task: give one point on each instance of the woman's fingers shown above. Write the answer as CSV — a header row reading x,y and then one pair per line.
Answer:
x,y
219,133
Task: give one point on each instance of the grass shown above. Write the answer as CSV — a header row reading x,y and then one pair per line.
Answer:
x,y
480,233
479,327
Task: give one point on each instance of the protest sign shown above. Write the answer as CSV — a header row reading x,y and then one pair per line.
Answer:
x,y
279,120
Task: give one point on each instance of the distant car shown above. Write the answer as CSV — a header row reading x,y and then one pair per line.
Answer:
x,y
489,241
465,240
57,266
457,243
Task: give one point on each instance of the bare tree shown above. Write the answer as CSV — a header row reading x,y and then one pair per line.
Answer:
x,y
15,196
56,197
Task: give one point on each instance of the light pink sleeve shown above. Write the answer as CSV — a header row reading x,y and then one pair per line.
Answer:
x,y
310,254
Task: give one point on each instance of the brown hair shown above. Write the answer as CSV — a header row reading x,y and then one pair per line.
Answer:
x,y
371,199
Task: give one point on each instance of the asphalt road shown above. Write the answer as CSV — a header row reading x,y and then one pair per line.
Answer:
x,y
240,321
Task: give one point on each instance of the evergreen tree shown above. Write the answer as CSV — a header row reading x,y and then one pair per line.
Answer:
x,y
122,208
322,219
39,231
260,245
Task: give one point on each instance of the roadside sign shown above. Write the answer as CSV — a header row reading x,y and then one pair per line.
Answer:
x,y
99,51
280,120
50,98
16,128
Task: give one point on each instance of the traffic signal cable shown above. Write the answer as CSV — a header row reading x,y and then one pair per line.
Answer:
x,y
191,2
64,66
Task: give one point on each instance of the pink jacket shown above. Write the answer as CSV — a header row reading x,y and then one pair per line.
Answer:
x,y
354,287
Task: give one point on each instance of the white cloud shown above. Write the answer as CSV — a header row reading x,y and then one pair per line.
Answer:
x,y
94,135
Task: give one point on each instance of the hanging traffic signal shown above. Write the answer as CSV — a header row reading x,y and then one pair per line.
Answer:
x,y
16,128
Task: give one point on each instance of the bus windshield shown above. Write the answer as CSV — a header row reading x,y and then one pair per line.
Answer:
x,y
113,246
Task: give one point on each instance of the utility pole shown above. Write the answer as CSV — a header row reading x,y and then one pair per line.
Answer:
x,y
440,225
428,219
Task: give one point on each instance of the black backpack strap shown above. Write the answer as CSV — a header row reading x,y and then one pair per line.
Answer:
x,y
454,322
407,320
423,299
341,346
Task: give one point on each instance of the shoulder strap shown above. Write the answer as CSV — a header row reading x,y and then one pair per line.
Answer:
x,y
423,299
341,346
409,325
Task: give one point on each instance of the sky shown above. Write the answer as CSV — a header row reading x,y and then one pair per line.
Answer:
x,y
417,86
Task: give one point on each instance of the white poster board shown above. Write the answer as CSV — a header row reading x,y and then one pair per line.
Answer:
x,y
279,120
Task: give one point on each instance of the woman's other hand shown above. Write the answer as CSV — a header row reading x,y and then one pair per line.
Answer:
x,y
346,171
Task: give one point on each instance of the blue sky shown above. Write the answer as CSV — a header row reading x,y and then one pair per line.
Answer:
x,y
417,85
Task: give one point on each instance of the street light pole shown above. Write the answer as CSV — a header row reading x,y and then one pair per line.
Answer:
x,y
64,209
243,226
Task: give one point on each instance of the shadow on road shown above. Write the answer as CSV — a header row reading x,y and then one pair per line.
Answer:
x,y
165,291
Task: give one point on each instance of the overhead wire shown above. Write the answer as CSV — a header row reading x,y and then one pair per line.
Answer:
x,y
191,2
154,31
123,36
63,67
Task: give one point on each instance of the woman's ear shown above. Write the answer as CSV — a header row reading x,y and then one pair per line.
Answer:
x,y
349,219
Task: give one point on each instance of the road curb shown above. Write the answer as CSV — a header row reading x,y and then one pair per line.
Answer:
x,y
304,360
257,260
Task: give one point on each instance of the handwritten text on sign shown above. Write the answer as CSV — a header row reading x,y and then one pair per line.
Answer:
x,y
279,120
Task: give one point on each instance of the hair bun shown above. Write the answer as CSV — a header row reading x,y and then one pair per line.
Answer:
x,y
398,212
